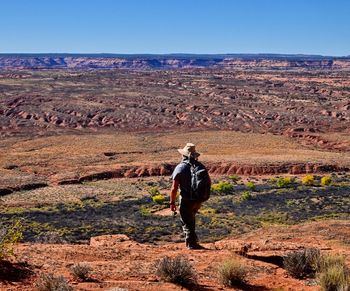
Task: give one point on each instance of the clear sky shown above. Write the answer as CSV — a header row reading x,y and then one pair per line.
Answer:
x,y
175,26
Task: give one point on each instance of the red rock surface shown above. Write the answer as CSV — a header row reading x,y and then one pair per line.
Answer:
x,y
118,262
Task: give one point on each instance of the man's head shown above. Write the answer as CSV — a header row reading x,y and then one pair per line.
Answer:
x,y
189,151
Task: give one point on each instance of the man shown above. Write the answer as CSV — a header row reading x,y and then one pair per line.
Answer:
x,y
189,204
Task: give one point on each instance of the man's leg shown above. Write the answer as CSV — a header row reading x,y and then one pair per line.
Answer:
x,y
195,208
188,210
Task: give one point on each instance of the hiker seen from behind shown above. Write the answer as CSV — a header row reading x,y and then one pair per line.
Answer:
x,y
192,178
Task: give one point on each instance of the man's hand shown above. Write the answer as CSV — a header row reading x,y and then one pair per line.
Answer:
x,y
173,207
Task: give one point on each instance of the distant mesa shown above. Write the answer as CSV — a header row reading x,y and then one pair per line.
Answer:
x,y
170,61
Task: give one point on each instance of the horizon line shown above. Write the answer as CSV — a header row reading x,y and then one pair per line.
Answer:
x,y
171,54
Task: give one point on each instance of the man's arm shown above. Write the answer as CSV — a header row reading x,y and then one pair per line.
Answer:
x,y
174,188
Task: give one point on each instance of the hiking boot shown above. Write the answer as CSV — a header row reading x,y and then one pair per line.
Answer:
x,y
195,246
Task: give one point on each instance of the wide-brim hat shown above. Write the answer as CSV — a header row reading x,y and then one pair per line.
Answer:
x,y
189,151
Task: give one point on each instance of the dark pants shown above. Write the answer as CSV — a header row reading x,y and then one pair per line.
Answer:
x,y
188,210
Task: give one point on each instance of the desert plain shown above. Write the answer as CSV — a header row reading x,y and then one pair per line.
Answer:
x,y
84,149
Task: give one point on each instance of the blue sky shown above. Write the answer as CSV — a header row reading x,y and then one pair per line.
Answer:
x,y
177,26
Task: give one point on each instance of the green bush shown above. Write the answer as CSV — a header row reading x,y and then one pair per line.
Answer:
x,y
304,263
284,182
308,180
159,199
222,187
273,180
246,195
232,273
234,178
145,211
153,190
9,236
326,180
250,185
176,270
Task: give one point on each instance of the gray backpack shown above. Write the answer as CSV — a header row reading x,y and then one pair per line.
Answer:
x,y
200,182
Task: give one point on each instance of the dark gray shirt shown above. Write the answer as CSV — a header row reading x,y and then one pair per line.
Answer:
x,y
182,174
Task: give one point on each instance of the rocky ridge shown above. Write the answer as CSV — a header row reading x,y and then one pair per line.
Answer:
x,y
169,62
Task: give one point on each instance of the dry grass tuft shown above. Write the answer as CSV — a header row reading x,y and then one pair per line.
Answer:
x,y
49,282
334,275
232,273
176,270
81,272
302,264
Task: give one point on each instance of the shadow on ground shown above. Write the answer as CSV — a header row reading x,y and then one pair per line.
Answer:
x,y
77,222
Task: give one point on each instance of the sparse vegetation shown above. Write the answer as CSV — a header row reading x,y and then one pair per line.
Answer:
x,y
251,185
159,199
304,263
234,178
9,236
329,260
49,222
222,187
81,272
232,273
308,180
176,270
246,195
145,211
154,190
335,278
284,182
49,282
326,180
334,273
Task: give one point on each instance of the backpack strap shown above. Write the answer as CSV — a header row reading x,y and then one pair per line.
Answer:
x,y
192,166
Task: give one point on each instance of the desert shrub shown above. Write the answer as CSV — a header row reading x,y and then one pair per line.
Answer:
x,y
308,180
145,211
9,236
334,275
246,195
304,263
159,199
176,270
49,282
284,182
250,185
222,187
335,278
153,190
234,178
273,180
326,180
81,272
329,260
232,273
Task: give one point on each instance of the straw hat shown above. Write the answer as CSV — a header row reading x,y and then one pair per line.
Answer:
x,y
189,151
